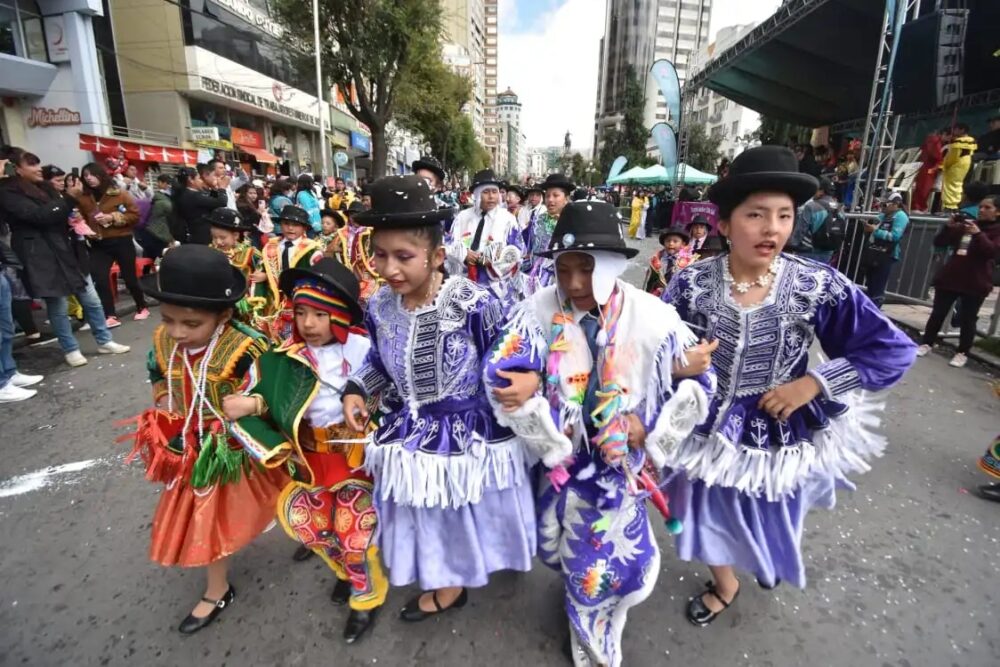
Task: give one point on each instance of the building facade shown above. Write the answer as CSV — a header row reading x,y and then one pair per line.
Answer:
x,y
509,116
537,163
494,129
637,33
731,123
464,50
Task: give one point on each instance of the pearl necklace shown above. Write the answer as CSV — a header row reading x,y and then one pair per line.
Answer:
x,y
743,287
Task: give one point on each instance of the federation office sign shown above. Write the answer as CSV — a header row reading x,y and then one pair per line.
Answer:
x,y
232,92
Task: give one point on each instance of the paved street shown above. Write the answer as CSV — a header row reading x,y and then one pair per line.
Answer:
x,y
903,572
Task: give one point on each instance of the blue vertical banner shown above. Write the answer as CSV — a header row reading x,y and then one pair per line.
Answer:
x,y
665,75
617,166
666,141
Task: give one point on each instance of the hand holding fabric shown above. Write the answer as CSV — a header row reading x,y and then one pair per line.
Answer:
x,y
522,387
355,412
782,401
699,360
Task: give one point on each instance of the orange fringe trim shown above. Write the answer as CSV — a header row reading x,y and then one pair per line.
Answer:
x,y
154,429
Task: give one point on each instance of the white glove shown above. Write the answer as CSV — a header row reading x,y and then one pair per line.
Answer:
x,y
687,408
532,423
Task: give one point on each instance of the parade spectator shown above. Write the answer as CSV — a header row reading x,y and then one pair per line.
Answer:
x,y
111,214
723,169
989,143
79,231
883,248
130,182
809,221
194,195
281,196
930,165
38,216
955,166
225,181
341,198
13,385
807,160
306,199
967,276
156,236
251,208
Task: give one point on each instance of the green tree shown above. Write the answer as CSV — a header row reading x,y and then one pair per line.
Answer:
x,y
430,102
368,46
781,132
703,150
630,138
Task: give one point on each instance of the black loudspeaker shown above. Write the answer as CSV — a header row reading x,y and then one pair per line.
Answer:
x,y
929,61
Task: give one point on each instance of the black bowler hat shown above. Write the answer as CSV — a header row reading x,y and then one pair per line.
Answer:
x,y
400,202
196,276
558,181
675,231
334,275
534,187
485,177
589,225
355,208
516,189
763,169
699,219
430,163
295,214
227,218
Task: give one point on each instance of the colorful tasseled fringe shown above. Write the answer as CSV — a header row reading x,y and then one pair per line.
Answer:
x,y
217,461
154,429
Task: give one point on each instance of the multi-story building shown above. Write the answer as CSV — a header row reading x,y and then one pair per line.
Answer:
x,y
509,116
493,138
636,34
465,32
537,163
722,118
217,75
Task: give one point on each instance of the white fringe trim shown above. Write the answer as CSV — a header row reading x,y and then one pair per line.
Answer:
x,y
687,408
839,450
533,424
419,479
671,349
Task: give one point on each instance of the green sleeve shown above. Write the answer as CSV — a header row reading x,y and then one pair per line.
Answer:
x,y
153,368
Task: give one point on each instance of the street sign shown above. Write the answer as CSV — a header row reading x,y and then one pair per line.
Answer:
x,y
204,134
340,158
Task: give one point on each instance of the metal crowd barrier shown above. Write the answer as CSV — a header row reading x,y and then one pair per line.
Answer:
x,y
911,277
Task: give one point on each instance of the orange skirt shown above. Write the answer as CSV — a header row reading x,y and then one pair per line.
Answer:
x,y
195,527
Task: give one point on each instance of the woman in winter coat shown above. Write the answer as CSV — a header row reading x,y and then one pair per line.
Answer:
x,y
112,214
195,195
38,217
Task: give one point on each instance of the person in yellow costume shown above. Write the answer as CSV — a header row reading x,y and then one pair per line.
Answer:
x,y
957,162
638,204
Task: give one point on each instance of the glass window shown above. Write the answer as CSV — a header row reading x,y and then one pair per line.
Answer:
x,y
214,28
21,31
10,30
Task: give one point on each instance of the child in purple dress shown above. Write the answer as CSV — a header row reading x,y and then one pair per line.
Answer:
x,y
779,435
451,484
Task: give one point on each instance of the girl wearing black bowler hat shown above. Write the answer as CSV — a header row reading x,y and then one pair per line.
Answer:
x,y
215,501
782,432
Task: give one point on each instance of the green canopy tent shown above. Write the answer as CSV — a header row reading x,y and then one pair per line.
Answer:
x,y
658,175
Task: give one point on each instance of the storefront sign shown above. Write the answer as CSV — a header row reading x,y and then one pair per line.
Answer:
x,y
135,151
253,16
361,142
218,144
43,117
247,138
199,134
55,38
266,103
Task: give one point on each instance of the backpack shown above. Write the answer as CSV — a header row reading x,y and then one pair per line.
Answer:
x,y
833,231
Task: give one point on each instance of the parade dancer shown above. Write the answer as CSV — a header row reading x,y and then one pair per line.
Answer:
x,y
780,435
228,229
450,484
530,212
215,501
429,168
538,270
293,416
674,256
293,249
485,240
612,358
352,247
990,463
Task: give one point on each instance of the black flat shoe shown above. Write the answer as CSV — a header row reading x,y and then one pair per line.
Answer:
x,y
193,624
358,622
341,593
990,492
699,613
303,553
777,582
412,613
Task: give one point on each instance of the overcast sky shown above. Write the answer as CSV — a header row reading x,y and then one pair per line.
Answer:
x,y
548,53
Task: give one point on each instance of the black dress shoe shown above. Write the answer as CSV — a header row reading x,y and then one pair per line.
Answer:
x,y
699,613
412,612
990,492
193,624
777,582
358,623
303,553
341,593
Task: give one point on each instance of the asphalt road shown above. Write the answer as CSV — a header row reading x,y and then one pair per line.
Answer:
x,y
903,572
